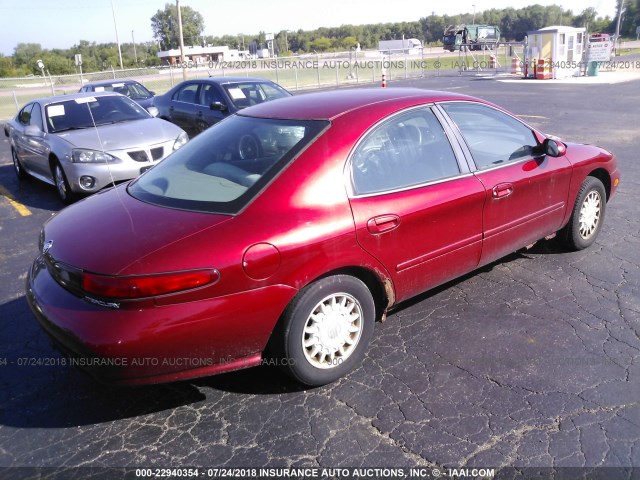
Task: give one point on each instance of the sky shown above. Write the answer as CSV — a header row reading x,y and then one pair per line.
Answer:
x,y
63,23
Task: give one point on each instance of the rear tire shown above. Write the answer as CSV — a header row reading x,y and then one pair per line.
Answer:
x,y
325,330
587,216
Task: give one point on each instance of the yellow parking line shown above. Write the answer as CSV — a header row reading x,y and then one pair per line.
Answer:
x,y
530,116
22,210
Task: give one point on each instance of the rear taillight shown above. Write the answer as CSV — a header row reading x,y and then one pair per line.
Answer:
x,y
141,286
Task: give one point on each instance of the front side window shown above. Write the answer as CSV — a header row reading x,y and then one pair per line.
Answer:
x,y
36,116
225,167
408,150
493,137
25,114
209,94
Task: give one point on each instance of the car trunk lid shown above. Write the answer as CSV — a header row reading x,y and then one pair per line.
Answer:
x,y
112,233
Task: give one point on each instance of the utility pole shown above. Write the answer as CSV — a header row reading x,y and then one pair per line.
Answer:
x,y
620,12
474,14
184,67
117,39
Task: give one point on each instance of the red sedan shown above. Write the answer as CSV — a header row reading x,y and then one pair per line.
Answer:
x,y
285,231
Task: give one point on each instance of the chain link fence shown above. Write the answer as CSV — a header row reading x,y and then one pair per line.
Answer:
x,y
293,73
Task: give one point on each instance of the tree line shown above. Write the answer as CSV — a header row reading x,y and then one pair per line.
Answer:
x,y
514,24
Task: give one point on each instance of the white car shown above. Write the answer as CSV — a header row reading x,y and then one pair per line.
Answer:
x,y
84,142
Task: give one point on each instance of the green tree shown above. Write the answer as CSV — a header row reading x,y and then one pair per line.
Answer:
x,y
349,42
165,26
26,55
321,44
586,19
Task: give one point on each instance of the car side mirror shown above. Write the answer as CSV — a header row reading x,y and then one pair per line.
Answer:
x,y
152,92
153,111
33,131
553,148
219,106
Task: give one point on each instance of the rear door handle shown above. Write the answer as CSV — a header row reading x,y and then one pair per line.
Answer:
x,y
502,190
383,223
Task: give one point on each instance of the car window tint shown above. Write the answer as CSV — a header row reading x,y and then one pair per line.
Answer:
x,y
187,93
493,137
222,169
408,150
137,91
272,92
251,93
209,94
36,117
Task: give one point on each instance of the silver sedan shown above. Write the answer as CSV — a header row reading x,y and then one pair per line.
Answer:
x,y
84,142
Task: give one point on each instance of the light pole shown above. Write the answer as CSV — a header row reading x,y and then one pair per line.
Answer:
x,y
135,55
115,26
40,64
184,69
474,14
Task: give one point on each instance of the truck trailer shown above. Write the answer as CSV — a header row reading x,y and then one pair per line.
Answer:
x,y
405,44
475,37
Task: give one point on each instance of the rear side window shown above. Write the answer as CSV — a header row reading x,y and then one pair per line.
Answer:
x,y
408,150
187,93
225,167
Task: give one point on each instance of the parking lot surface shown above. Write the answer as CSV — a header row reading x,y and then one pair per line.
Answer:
x,y
533,361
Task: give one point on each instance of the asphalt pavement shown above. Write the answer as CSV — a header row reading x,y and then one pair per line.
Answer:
x,y
531,363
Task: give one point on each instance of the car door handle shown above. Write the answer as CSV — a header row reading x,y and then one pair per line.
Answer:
x,y
502,190
383,223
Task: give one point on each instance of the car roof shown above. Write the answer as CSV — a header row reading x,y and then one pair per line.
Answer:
x,y
72,96
225,80
328,105
99,83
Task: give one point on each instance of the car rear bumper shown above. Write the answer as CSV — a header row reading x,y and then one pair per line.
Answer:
x,y
134,346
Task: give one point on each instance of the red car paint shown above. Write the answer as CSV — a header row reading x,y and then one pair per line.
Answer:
x,y
305,224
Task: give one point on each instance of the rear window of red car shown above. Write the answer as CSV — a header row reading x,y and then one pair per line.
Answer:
x,y
225,167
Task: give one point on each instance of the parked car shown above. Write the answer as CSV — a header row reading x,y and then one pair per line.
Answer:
x,y
84,142
129,88
285,231
195,105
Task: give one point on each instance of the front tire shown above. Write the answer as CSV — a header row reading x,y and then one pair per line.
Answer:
x,y
17,166
587,216
325,330
62,185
